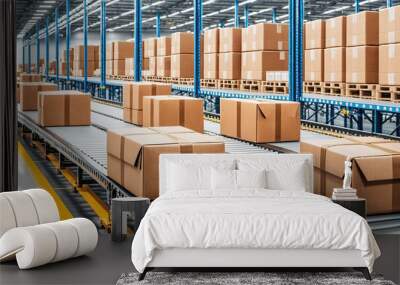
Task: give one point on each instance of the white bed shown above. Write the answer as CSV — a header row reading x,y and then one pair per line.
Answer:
x,y
201,219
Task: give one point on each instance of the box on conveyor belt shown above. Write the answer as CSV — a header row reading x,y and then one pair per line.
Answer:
x,y
110,51
211,62
362,64
123,50
314,65
335,34
164,46
315,34
29,94
389,25
30,77
182,65
256,63
160,111
64,108
140,153
133,116
230,40
152,66
265,36
211,41
335,64
164,66
389,64
150,47
182,43
260,121
363,29
375,172
230,65
79,53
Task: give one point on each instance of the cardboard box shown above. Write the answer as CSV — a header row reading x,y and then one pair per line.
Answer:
x,y
159,111
134,92
141,157
152,66
182,43
79,53
211,62
260,121
362,64
335,64
230,65
211,41
29,77
255,64
277,76
164,46
29,94
230,40
335,35
109,67
110,51
373,172
171,130
389,64
164,66
133,116
162,88
129,65
315,34
119,67
363,29
64,108
181,65
389,25
150,47
314,65
265,36
123,50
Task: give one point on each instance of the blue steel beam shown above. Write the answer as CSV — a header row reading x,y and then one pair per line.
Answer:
x,y
299,49
246,16
103,31
37,48
85,44
356,6
389,3
68,38
138,41
201,16
47,48
292,50
273,15
158,25
197,33
237,18
57,38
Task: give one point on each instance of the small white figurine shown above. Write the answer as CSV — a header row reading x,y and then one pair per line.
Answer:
x,y
347,174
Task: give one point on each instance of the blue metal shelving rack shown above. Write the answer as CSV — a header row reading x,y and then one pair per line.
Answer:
x,y
138,41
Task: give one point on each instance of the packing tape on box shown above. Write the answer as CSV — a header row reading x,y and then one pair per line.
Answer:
x,y
333,41
333,76
333,54
354,53
253,57
353,18
354,77
312,75
391,78
354,39
226,59
392,15
280,45
391,37
279,29
224,74
67,104
182,112
391,51
312,55
186,148
312,43
278,122
282,55
239,118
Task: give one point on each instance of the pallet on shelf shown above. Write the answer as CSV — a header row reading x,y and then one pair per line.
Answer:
x,y
250,85
312,87
209,83
185,81
229,84
363,91
281,87
334,88
388,93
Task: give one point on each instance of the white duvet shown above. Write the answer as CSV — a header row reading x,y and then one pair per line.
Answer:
x,y
250,219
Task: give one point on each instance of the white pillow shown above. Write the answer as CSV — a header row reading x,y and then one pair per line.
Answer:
x,y
293,180
251,179
223,179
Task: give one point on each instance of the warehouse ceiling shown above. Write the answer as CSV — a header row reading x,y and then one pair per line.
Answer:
x,y
176,15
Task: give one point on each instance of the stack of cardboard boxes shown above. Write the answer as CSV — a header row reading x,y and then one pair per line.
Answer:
x,y
64,62
264,49
230,57
79,63
211,56
29,94
260,121
110,59
335,52
150,52
389,53
122,51
160,111
164,57
63,108
314,51
374,164
25,77
362,48
133,154
133,94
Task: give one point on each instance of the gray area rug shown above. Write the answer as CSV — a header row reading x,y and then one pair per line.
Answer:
x,y
269,278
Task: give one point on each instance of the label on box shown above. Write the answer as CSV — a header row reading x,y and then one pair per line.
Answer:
x,y
391,78
279,29
391,37
354,52
391,51
280,45
282,55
